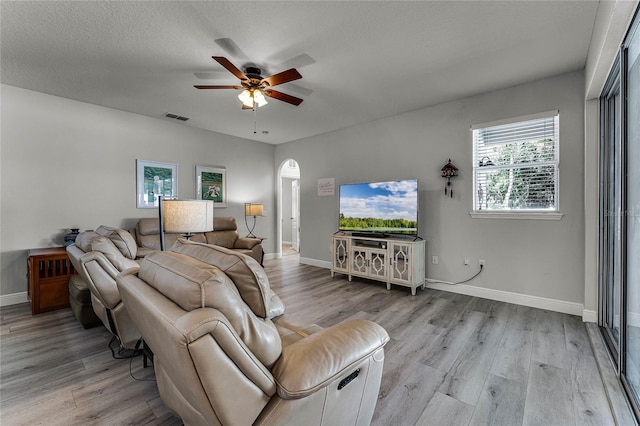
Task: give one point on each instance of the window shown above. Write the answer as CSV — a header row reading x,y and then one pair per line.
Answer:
x,y
515,165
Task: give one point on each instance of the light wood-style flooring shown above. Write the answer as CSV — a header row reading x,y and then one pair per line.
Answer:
x,y
451,360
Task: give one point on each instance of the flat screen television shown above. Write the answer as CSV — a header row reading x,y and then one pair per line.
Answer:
x,y
380,207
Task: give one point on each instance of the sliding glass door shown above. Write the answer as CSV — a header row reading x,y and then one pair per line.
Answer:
x,y
631,372
620,214
611,192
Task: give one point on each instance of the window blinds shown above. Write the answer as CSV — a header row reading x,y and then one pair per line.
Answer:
x,y
516,165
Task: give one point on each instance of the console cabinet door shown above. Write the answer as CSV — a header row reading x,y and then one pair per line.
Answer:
x,y
368,262
340,255
378,264
401,258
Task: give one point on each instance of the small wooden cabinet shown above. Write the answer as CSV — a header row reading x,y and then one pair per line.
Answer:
x,y
48,273
392,260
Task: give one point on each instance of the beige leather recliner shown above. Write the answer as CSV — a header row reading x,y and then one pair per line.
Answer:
x,y
224,353
98,257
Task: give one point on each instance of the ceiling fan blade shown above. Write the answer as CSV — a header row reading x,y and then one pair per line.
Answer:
x,y
232,48
215,75
299,61
283,77
218,87
230,67
283,97
299,89
244,107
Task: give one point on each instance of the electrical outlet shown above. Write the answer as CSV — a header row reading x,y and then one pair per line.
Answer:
x,y
466,261
434,260
482,262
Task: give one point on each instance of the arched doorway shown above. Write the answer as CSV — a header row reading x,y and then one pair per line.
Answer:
x,y
288,220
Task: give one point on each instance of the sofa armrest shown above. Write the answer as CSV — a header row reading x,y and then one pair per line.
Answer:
x,y
204,323
311,363
101,276
246,243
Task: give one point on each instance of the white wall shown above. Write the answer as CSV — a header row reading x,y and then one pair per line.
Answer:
x,y
530,257
71,164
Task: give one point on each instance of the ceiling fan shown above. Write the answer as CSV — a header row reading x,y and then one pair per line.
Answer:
x,y
255,87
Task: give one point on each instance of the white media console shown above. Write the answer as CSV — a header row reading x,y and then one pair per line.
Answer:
x,y
394,260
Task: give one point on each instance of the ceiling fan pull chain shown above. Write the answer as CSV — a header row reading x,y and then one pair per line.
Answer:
x,y
255,120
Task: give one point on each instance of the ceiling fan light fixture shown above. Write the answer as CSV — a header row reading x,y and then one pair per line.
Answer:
x,y
259,98
246,98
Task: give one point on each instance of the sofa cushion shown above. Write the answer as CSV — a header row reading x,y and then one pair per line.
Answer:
x,y
107,247
193,284
148,226
225,239
247,274
83,240
122,239
225,224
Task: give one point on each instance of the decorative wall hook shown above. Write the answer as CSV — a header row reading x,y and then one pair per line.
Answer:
x,y
448,171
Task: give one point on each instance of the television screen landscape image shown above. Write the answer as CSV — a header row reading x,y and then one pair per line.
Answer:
x,y
380,207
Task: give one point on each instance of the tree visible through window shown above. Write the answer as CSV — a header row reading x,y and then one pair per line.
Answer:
x,y
516,165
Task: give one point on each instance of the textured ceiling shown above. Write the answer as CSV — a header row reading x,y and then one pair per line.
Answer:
x,y
360,61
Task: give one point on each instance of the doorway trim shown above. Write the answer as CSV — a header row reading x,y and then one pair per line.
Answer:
x,y
279,176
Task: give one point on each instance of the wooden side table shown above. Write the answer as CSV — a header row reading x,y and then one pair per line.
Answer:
x,y
48,273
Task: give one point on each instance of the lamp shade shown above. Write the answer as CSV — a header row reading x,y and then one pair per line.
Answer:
x,y
253,209
187,215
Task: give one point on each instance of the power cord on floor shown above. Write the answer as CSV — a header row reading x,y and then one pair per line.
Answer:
x,y
430,280
122,353
140,351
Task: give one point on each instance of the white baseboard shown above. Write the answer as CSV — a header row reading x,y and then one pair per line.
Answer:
x,y
270,256
589,316
633,319
571,308
315,262
13,298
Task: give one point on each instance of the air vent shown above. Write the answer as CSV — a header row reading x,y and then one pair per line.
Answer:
x,y
176,117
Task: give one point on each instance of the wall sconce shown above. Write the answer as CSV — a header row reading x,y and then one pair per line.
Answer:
x,y
252,210
185,216
448,171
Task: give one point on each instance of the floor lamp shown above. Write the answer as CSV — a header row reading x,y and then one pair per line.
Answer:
x,y
185,217
252,210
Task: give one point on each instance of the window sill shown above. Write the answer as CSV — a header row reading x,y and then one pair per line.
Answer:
x,y
517,215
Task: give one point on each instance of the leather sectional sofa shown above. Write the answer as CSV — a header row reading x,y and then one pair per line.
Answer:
x,y
100,255
225,352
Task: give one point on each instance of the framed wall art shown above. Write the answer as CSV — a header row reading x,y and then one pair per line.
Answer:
x,y
211,184
154,179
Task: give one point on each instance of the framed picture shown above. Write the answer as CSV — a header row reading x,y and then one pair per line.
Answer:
x,y
211,184
154,179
